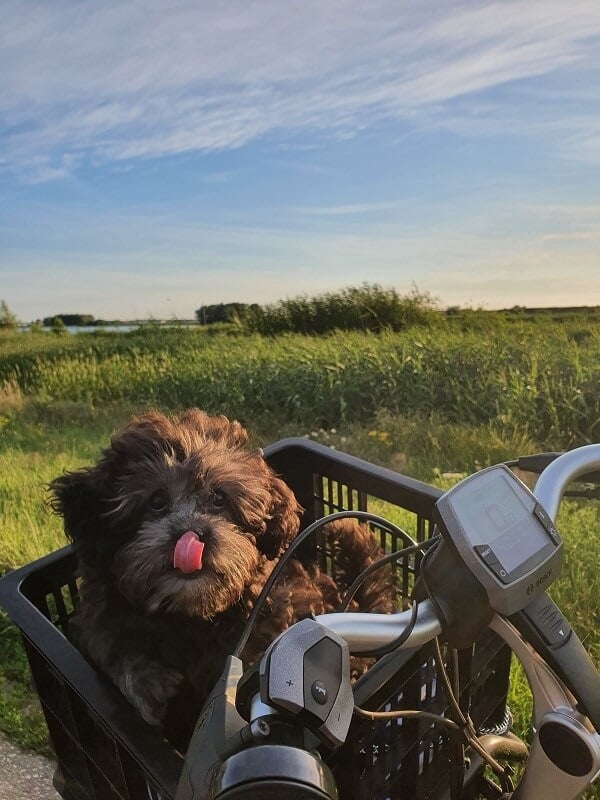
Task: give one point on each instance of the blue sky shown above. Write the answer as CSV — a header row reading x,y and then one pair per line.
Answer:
x,y
157,156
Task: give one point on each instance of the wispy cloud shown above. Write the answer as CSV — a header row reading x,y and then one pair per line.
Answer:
x,y
580,236
114,81
353,209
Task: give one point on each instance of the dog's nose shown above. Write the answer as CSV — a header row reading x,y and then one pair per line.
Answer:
x,y
196,529
193,527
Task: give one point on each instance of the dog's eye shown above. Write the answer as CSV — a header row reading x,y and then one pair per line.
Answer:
x,y
218,499
158,501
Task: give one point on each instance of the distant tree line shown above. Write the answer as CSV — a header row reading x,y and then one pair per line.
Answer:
x,y
224,312
70,319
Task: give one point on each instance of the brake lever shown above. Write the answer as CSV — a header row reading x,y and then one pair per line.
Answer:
x,y
565,754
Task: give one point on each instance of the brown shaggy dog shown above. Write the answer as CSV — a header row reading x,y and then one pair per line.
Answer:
x,y
176,529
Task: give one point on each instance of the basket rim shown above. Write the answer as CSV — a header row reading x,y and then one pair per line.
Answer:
x,y
412,494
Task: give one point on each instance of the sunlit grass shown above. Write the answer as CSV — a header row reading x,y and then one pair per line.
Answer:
x,y
538,380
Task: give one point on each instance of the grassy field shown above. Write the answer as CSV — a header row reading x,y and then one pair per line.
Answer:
x,y
527,377
431,401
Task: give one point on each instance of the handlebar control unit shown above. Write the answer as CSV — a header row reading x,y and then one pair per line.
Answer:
x,y
503,535
306,673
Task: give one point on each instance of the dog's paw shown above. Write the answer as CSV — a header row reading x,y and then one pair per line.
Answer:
x,y
149,686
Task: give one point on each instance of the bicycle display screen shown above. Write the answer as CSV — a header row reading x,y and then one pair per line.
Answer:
x,y
494,514
503,535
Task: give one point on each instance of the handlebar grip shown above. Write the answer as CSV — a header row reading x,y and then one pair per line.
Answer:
x,y
544,626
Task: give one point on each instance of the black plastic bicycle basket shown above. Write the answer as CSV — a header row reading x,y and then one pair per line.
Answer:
x,y
105,751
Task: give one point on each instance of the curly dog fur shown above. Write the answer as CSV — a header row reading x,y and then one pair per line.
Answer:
x,y
156,631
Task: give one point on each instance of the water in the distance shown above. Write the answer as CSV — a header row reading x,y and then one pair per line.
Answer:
x,y
88,328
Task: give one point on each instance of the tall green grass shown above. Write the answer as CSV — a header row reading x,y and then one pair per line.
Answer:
x,y
525,377
366,308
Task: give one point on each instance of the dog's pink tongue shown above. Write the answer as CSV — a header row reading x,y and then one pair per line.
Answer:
x,y
187,555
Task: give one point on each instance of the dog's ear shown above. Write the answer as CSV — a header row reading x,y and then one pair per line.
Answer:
x,y
284,520
78,497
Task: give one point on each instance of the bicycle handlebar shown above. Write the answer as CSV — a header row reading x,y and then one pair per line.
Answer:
x,y
553,481
364,631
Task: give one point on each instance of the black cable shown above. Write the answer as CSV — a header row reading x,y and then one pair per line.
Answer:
x,y
416,714
363,516
360,579
398,641
457,756
464,721
381,562
427,555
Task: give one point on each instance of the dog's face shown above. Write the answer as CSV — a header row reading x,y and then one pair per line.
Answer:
x,y
178,513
